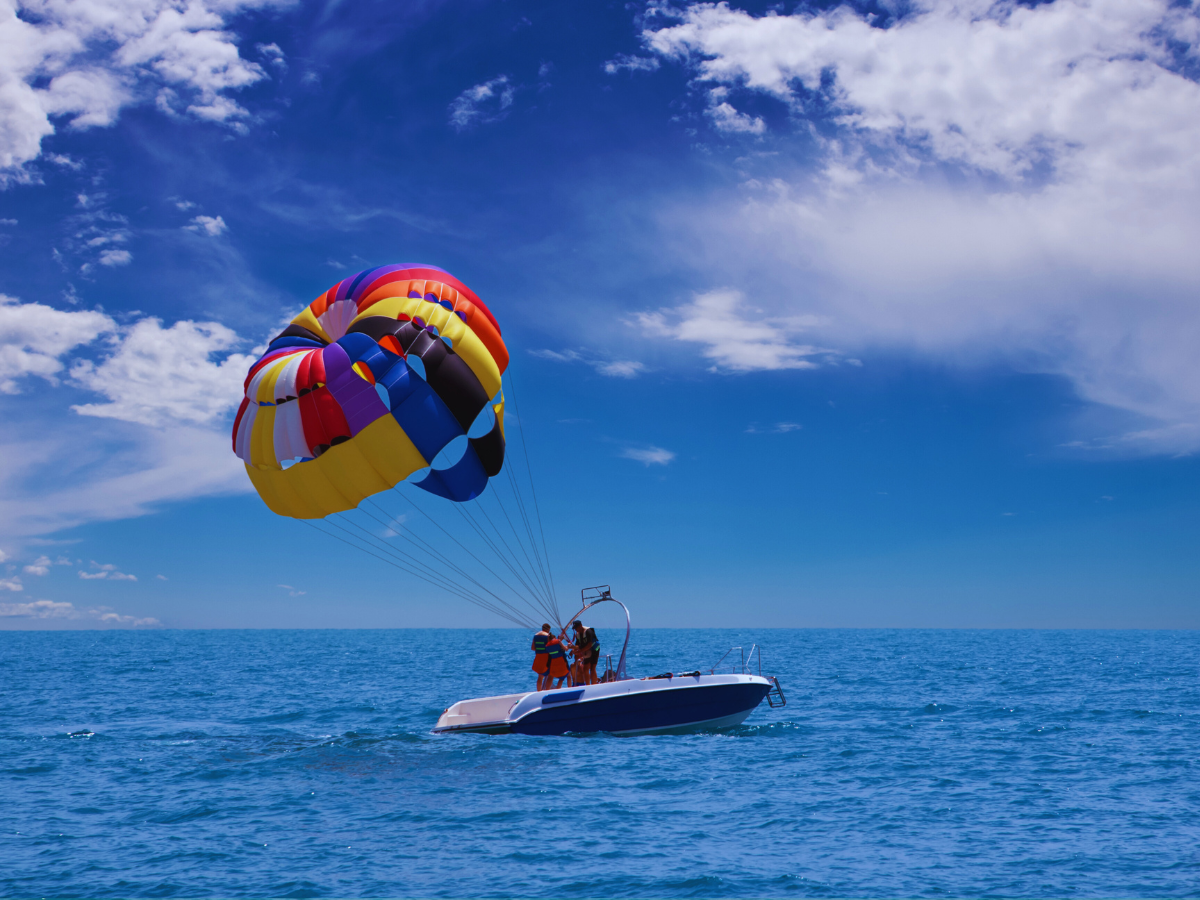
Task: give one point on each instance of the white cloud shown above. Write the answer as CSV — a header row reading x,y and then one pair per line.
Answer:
x,y
11,584
273,54
726,118
84,61
39,609
736,335
51,609
210,225
614,368
621,368
292,592
624,62
115,258
109,470
161,436
648,456
107,616
34,336
106,572
40,566
482,104
1065,240
159,375
777,428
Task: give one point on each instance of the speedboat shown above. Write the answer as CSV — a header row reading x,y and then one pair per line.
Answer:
x,y
670,703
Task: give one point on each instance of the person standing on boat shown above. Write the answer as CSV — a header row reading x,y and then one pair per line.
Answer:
x,y
590,661
541,656
558,662
583,652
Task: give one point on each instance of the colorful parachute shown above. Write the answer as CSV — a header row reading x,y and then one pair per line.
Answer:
x,y
367,385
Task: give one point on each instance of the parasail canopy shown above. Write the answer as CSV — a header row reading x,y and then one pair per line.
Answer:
x,y
380,375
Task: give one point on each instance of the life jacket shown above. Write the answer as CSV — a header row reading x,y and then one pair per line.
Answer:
x,y
556,648
539,642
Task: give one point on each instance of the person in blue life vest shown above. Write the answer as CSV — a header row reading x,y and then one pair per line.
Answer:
x,y
541,656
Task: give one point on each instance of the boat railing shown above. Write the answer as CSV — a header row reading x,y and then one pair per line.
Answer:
x,y
745,663
603,594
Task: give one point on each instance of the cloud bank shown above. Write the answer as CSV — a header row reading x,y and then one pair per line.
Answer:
x,y
164,398
81,61
52,610
993,182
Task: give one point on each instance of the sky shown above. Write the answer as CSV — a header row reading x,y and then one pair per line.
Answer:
x,y
862,315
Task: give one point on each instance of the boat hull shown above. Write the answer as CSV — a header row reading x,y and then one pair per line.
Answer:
x,y
643,706
673,709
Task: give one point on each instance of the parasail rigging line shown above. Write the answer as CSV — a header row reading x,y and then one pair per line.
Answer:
x,y
529,469
465,549
431,575
528,531
407,571
510,561
539,606
545,588
417,541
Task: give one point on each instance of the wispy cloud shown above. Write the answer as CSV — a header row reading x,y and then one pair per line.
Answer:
x,y
614,368
624,62
213,226
777,428
11,584
726,118
107,572
735,334
41,565
648,456
482,104
61,610
292,592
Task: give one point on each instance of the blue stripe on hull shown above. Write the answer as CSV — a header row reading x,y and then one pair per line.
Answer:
x,y
645,711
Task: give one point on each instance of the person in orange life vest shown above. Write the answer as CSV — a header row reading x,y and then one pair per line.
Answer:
x,y
558,662
541,658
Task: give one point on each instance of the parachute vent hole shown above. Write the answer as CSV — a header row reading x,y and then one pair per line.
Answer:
x,y
484,422
340,439
449,455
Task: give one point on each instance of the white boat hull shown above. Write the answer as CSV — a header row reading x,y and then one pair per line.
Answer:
x,y
678,704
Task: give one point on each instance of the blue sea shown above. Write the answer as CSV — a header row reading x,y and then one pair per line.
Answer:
x,y
301,764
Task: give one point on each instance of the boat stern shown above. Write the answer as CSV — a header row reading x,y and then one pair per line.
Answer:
x,y
485,715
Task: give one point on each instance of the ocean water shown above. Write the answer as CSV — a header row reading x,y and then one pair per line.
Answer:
x,y
301,764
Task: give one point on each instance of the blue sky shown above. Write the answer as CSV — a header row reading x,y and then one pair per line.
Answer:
x,y
871,315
